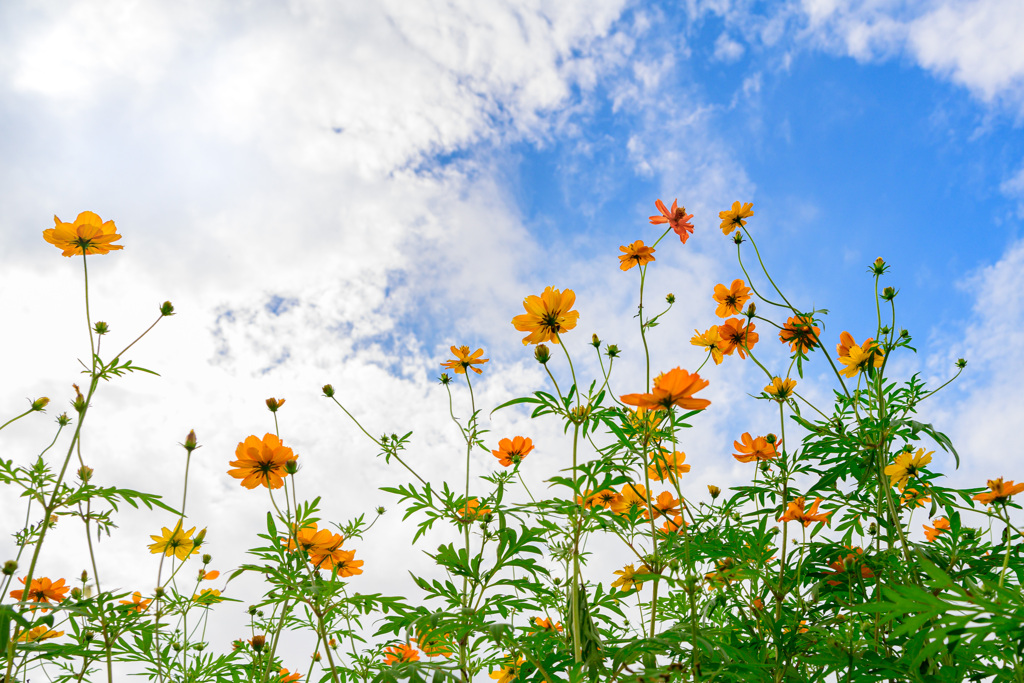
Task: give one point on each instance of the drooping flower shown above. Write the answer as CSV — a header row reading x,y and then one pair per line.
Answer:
x,y
401,654
633,499
907,466
547,315
512,451
1000,491
627,577
87,235
507,673
673,388
734,217
780,389
34,635
464,360
737,336
136,604
676,217
177,543
857,358
795,512
800,333
749,448
261,462
710,340
730,299
938,526
42,590
665,504
636,254
840,566
665,465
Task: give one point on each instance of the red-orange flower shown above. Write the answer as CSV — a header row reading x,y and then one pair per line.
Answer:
x,y
43,590
737,336
464,360
676,217
136,604
547,316
795,512
1000,491
673,388
512,451
87,235
636,254
731,299
800,333
938,526
261,462
750,448
287,677
400,654
840,566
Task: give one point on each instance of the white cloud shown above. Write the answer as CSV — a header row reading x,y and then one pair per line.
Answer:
x,y
727,50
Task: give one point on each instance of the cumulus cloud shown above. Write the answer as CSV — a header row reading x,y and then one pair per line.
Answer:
x,y
726,49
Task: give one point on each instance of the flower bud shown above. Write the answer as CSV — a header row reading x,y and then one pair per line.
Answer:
x,y
252,610
595,341
872,529
670,298
85,473
258,642
191,443
101,327
199,647
737,237
885,330
176,646
291,466
612,351
961,363
63,420
10,566
328,390
76,593
381,511
889,293
159,592
878,267
85,576
79,403
333,644
89,636
167,308
542,353
771,438
751,309
274,404
200,537
207,558
714,491
445,378
40,403
316,656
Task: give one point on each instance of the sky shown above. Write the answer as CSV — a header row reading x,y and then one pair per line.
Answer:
x,y
338,192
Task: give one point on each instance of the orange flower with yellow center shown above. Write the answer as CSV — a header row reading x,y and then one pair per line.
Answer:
x,y
749,448
311,540
676,217
42,590
780,389
401,654
841,565
938,526
737,336
605,499
673,525
632,499
288,677
261,462
912,497
907,466
734,217
136,604
999,491
87,235
800,333
710,340
636,254
432,644
464,360
673,388
547,316
512,451
795,512
730,299
665,465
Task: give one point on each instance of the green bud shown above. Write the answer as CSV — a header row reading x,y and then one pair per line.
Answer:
x,y
961,363
328,390
889,293
594,341
542,353
166,308
670,298
612,351
10,566
291,466
191,443
40,403
101,328
63,420
207,558
444,378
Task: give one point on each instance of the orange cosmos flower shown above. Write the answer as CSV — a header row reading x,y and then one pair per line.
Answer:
x,y
547,315
737,336
780,389
665,504
87,235
673,388
914,498
857,358
1000,492
800,333
401,654
907,466
673,525
676,217
938,526
711,340
433,645
287,677
136,604
731,299
750,449
463,360
546,625
605,499
472,511
636,254
733,218
795,512
512,451
34,635
208,576
509,673
633,497
42,590
665,465
840,566
331,557
261,462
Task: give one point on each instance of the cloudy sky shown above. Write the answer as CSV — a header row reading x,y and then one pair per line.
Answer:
x,y
338,191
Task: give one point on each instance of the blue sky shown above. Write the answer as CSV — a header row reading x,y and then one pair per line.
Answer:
x,y
337,193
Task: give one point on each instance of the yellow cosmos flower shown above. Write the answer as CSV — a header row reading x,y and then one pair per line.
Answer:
x,y
636,254
730,299
87,235
547,315
733,218
464,360
710,340
38,633
507,674
780,389
627,577
907,466
999,491
175,543
857,358
665,465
